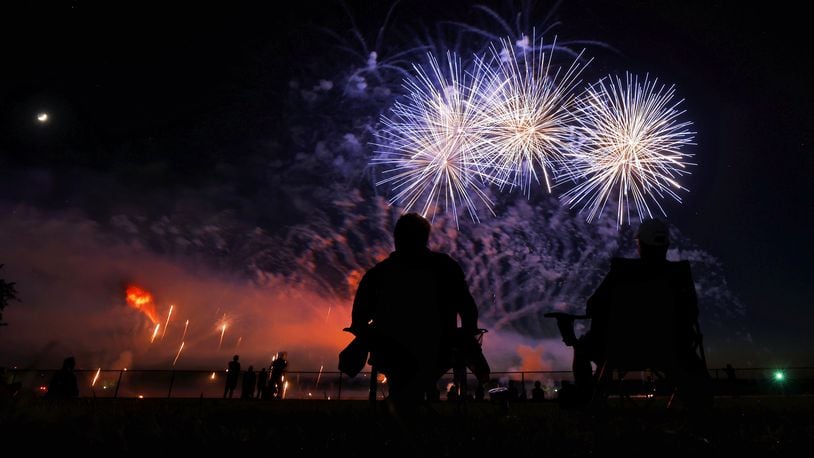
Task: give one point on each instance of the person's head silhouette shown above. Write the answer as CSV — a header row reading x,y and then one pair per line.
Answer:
x,y
235,358
653,239
69,363
412,233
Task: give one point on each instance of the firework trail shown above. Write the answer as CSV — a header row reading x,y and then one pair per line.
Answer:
x,y
155,332
628,144
169,314
430,145
186,325
95,377
222,331
530,113
178,354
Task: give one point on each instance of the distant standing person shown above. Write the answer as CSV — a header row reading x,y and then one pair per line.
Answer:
x,y
63,384
278,370
249,382
262,382
537,393
232,373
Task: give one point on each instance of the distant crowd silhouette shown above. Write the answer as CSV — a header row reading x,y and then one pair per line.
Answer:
x,y
264,384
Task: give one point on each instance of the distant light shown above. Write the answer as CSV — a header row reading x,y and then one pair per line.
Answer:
x,y
42,117
141,396
779,376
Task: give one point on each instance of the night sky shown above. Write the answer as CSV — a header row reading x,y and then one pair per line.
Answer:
x,y
148,106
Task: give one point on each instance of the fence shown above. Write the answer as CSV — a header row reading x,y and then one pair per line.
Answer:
x,y
335,385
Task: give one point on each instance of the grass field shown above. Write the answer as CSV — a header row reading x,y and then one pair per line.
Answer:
x,y
744,426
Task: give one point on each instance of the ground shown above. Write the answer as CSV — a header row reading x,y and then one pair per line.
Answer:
x,y
746,426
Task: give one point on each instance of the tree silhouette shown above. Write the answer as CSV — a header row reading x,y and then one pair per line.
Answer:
x,y
8,292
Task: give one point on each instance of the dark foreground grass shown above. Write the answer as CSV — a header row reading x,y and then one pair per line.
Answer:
x,y
747,426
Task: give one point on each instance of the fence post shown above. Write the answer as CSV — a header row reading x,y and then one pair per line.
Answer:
x,y
339,391
374,375
172,380
118,382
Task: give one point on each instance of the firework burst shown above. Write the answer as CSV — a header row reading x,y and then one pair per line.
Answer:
x,y
530,114
629,145
430,145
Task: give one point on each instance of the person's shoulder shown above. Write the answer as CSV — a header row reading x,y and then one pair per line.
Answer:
x,y
621,264
445,260
377,269
682,266
617,261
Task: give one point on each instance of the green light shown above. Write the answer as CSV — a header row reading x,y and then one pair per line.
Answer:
x,y
779,376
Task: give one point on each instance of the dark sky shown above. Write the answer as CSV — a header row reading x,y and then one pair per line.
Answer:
x,y
196,84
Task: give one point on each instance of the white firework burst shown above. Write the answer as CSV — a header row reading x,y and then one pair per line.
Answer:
x,y
430,144
530,114
629,144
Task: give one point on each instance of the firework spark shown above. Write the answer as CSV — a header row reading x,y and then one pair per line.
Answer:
x,y
155,332
186,325
530,113
319,376
178,354
169,314
96,377
629,144
222,331
429,146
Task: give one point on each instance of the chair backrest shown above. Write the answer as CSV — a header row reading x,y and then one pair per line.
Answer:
x,y
644,320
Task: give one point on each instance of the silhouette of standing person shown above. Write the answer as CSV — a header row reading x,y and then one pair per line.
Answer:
x,y
232,374
731,380
537,393
408,307
669,289
249,383
278,370
262,382
63,384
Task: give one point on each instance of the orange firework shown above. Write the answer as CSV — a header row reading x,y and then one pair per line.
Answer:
x,y
186,325
168,323
155,332
142,301
179,354
222,332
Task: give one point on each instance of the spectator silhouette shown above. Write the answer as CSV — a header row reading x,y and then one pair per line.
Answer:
x,y
730,373
408,306
665,283
537,393
249,383
514,393
63,384
480,392
262,383
278,370
731,380
232,374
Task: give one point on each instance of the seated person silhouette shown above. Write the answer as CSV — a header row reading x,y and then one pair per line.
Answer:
x,y
644,315
407,308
